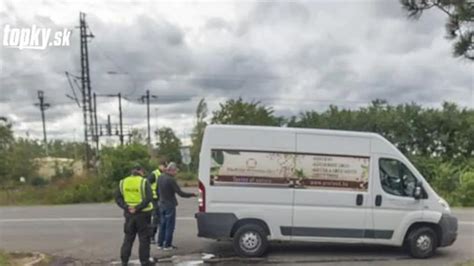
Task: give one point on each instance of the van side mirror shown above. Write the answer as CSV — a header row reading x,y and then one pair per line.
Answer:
x,y
417,193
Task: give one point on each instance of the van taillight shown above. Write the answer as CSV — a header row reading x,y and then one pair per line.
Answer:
x,y
202,197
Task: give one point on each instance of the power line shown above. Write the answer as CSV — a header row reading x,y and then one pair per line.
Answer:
x,y
98,45
68,76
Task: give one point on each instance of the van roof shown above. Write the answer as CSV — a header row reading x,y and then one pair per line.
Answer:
x,y
299,130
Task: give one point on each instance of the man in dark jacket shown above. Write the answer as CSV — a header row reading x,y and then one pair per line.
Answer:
x,y
167,189
155,217
134,197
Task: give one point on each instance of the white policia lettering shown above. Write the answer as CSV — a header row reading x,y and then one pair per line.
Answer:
x,y
34,37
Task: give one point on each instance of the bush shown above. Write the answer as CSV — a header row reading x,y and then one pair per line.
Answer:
x,y
90,190
186,176
84,190
64,172
465,192
38,181
116,162
452,180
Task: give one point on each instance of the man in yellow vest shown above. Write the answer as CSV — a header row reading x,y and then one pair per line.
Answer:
x,y
134,196
153,180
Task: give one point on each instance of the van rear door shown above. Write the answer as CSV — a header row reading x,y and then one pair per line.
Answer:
x,y
250,171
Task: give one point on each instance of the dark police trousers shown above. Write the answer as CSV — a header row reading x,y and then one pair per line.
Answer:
x,y
137,223
155,219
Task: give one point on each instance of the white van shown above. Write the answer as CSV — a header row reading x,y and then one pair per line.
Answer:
x,y
260,184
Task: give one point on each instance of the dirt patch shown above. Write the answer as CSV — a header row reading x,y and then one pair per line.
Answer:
x,y
25,259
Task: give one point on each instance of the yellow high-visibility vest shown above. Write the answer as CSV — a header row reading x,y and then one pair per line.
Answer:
x,y
133,191
156,174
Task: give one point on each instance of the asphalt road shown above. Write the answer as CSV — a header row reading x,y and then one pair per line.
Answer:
x,y
92,234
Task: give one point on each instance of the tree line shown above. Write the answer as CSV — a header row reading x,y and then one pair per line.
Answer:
x,y
439,141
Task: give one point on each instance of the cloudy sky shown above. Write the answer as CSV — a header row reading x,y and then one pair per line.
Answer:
x,y
291,55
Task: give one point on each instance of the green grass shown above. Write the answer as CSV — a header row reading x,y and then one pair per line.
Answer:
x,y
71,191
467,263
4,258
80,190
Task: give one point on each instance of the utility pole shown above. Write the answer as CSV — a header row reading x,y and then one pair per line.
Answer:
x,y
96,125
43,106
87,108
156,117
120,118
146,99
109,126
148,117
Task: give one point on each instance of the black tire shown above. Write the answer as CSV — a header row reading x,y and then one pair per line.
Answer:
x,y
250,240
422,242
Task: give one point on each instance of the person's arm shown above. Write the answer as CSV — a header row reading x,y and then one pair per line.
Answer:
x,y
158,187
151,178
178,190
119,200
148,197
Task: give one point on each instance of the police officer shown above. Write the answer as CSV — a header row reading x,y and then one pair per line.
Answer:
x,y
153,180
134,196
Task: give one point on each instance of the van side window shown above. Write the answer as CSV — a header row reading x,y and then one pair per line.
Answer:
x,y
396,178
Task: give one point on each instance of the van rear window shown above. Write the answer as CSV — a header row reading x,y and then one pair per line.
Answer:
x,y
283,169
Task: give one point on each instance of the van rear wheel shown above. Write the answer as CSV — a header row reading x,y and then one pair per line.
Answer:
x,y
422,242
250,240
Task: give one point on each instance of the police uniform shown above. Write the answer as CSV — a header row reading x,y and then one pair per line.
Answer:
x,y
153,179
135,191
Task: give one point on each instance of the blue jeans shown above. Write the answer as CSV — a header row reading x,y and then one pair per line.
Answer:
x,y
167,224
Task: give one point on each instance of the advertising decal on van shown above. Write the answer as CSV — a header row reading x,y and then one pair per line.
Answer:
x,y
281,169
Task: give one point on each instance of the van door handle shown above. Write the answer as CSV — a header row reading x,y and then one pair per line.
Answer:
x,y
359,199
378,200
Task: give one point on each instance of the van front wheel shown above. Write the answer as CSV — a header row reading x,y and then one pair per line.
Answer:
x,y
422,242
250,240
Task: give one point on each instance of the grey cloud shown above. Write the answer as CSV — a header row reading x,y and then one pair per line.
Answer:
x,y
219,24
275,13
290,55
150,51
154,49
234,72
31,113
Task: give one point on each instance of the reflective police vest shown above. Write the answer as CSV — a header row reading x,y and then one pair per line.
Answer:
x,y
133,191
154,185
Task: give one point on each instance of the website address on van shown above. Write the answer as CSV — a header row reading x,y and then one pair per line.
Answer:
x,y
285,182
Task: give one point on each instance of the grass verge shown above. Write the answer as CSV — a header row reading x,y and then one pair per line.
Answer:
x,y
70,191
63,192
466,263
4,258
